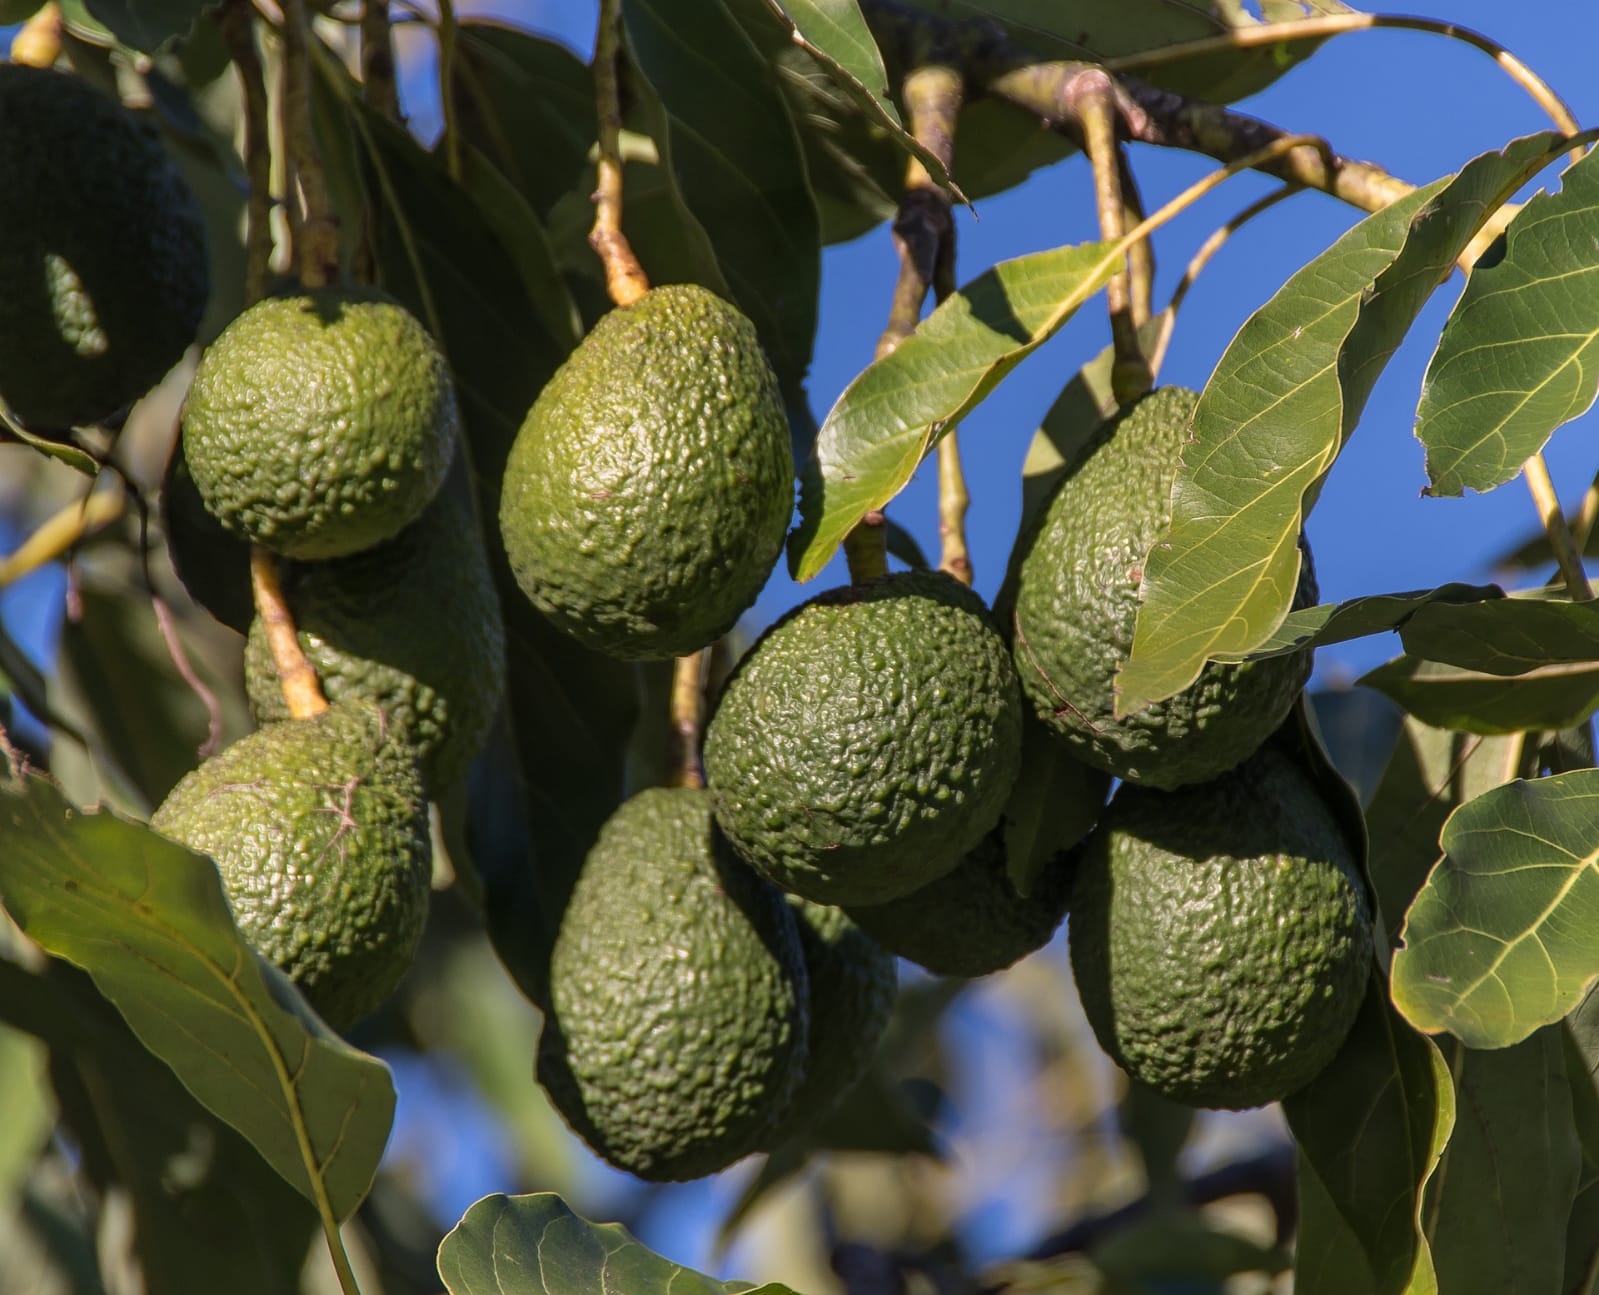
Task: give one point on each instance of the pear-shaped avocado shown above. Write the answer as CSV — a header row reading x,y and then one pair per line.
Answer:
x,y
1221,934
320,833
650,487
677,1029
1071,599
868,740
103,271
412,625
322,423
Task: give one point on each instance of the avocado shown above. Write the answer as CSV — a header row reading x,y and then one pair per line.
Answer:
x,y
103,270
1071,599
321,423
867,740
677,1031
853,982
648,491
320,834
1221,934
412,625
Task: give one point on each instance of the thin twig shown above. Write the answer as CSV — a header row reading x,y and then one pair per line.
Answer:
x,y
378,82
302,693
624,276
237,22
63,531
316,245
1567,554
1141,255
688,718
448,28
1587,515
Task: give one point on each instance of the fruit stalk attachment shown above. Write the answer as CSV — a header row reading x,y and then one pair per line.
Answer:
x,y
624,276
688,718
302,693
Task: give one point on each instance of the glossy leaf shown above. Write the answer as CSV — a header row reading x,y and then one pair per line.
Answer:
x,y
736,159
1520,354
899,409
1500,939
1370,1130
535,1245
1551,697
1357,618
1285,396
143,915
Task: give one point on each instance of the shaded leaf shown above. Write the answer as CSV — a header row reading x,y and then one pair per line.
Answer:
x,y
1054,804
27,1111
1505,636
1500,939
903,545
1359,727
146,25
1498,1205
1534,552
1552,697
535,1245
1520,353
53,447
1356,618
1582,1228
1283,399
148,920
899,408
1370,1130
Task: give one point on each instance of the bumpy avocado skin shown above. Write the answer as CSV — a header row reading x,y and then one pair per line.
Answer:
x,y
853,982
868,740
678,1027
1221,935
649,490
103,271
320,834
1071,599
322,423
412,625
972,921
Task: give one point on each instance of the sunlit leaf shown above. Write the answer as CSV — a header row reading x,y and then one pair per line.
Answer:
x,y
898,409
1275,414
1370,1130
1501,938
1520,354
1550,697
147,919
535,1245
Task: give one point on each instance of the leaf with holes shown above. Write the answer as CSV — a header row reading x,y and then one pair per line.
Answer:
x,y
147,919
1501,938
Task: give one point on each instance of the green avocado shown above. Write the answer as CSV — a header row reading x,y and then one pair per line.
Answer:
x,y
868,740
1221,934
648,492
1071,598
677,1031
853,982
103,271
412,625
322,423
320,834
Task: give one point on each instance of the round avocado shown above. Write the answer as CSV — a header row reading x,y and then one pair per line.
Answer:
x,y
677,1031
648,491
322,423
1071,599
412,625
1221,935
868,740
103,270
320,834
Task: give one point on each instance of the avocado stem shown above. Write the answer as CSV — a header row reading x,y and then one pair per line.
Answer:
x,y
302,693
378,84
235,20
316,245
688,718
625,279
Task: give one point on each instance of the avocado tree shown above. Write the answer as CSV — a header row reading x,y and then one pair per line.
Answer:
x,y
465,584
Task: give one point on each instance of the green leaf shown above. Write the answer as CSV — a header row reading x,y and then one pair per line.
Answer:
x,y
1054,805
52,447
1282,401
1508,636
1500,939
1582,1228
1551,697
13,12
736,159
899,409
1513,1158
1370,1130
1356,618
535,1245
27,1111
1520,354
148,920
146,25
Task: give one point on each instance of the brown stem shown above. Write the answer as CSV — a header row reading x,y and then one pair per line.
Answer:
x,y
237,22
688,717
302,694
625,279
378,82
316,245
